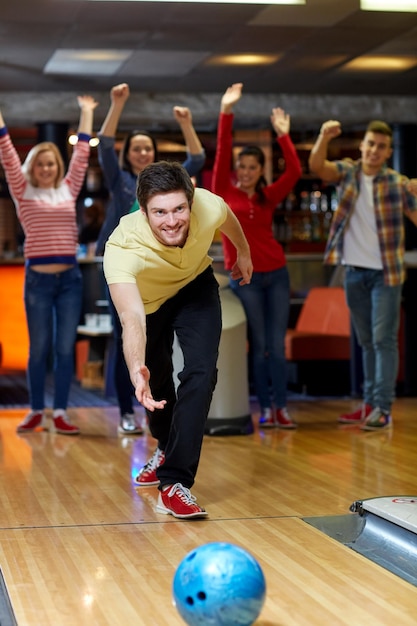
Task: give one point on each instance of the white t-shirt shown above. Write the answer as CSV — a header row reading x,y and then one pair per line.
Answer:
x,y
360,238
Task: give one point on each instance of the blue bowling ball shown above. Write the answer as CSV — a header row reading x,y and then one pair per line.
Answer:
x,y
219,584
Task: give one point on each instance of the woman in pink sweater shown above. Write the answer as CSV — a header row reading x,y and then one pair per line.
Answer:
x,y
45,201
266,300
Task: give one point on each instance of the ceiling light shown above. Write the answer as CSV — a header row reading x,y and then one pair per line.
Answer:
x,y
71,61
73,139
389,5
381,63
243,59
222,1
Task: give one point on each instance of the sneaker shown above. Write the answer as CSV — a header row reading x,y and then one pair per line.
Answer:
x,y
147,475
32,421
266,419
128,425
178,501
377,420
62,423
284,419
357,416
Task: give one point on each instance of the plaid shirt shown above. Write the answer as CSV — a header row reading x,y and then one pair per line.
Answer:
x,y
391,198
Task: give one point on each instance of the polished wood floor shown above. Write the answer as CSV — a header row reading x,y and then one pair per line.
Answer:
x,y
81,546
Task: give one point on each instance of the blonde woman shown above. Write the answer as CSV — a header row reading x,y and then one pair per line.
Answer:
x,y
45,201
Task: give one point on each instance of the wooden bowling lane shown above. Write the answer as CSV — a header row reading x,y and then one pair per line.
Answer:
x,y
81,545
117,575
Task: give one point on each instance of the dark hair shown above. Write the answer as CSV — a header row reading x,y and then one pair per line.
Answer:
x,y
123,160
259,155
377,126
163,177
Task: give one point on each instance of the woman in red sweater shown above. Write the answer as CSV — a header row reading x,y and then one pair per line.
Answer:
x,y
266,299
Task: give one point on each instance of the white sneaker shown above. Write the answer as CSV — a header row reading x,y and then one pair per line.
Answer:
x,y
128,425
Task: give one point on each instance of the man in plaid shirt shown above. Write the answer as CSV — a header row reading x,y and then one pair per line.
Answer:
x,y
367,237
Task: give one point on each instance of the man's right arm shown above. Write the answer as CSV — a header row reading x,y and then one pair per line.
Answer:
x,y
318,162
126,298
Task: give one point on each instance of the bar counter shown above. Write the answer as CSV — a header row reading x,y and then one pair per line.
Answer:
x,y
14,339
306,270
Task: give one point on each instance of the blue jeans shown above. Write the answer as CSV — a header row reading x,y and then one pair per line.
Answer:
x,y
375,312
267,303
53,308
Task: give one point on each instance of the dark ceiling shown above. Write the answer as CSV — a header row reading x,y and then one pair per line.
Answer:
x,y
172,43
170,46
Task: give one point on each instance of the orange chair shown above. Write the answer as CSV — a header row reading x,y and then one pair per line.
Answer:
x,y
322,334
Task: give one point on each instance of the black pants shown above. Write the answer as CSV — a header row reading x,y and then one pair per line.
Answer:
x,y
194,314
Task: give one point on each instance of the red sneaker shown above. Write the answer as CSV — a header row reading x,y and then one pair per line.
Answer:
x,y
32,421
147,475
62,423
177,500
357,417
284,420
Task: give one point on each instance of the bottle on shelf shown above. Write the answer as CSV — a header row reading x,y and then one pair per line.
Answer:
x,y
290,202
324,206
327,218
306,233
315,199
304,201
315,227
334,200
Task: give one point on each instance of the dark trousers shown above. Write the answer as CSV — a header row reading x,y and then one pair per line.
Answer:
x,y
194,314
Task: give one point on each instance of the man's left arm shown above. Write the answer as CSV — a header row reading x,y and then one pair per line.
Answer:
x,y
412,188
243,267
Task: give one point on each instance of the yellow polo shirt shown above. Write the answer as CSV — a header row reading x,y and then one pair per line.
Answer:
x,y
134,255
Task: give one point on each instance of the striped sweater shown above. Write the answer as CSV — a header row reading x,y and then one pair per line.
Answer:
x,y
48,216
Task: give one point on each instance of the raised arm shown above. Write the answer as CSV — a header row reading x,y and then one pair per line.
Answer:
x,y
129,306
318,162
222,168
243,267
282,186
412,186
118,96
280,121
87,105
185,121
232,95
10,160
196,156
